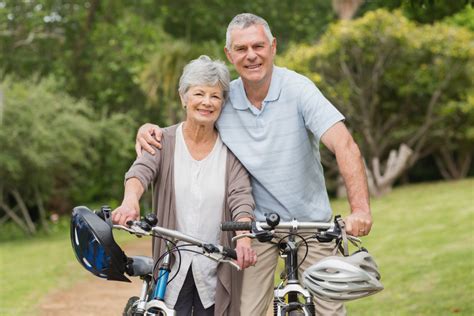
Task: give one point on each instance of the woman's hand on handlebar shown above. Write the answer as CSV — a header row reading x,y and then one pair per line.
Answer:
x,y
246,256
124,213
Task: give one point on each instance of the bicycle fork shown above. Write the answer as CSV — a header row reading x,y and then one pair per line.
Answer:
x,y
292,289
157,304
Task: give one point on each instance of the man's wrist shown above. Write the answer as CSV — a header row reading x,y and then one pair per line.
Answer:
x,y
361,211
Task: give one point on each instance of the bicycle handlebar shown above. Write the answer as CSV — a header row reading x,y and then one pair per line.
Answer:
x,y
234,226
264,230
215,252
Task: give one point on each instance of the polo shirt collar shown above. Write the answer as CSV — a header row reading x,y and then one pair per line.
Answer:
x,y
239,100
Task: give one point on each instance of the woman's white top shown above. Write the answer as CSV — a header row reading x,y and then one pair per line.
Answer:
x,y
200,191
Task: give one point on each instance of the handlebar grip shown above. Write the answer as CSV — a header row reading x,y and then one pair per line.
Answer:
x,y
233,226
229,253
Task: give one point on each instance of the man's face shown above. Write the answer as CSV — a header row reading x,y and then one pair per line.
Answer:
x,y
252,54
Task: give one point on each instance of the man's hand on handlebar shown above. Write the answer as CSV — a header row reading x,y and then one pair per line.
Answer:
x,y
147,135
358,223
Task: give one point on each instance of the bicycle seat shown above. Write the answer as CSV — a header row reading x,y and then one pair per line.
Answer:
x,y
140,266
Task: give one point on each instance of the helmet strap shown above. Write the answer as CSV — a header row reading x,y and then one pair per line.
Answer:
x,y
342,243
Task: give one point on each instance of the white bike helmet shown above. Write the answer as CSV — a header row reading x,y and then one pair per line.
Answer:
x,y
339,279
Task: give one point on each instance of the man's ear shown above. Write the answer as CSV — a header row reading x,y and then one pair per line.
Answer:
x,y
274,46
229,55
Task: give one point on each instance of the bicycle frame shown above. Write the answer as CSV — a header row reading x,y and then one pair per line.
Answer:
x,y
290,288
156,306
142,305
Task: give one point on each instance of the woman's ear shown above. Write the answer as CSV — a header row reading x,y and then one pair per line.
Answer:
x,y
183,100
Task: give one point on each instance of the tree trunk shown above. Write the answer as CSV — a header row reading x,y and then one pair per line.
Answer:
x,y
346,9
11,213
41,210
24,211
381,182
452,167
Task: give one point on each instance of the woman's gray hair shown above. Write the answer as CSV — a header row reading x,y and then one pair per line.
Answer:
x,y
243,21
204,71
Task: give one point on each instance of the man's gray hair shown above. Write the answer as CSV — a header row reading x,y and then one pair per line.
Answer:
x,y
243,21
204,71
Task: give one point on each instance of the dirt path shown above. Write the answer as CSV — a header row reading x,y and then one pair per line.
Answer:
x,y
94,296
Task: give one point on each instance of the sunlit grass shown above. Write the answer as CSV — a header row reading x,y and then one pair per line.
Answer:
x,y
423,241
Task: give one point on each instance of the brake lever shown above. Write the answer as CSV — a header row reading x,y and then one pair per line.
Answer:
x,y
220,258
249,235
133,229
354,239
232,263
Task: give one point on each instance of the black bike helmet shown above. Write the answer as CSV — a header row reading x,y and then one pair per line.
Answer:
x,y
94,244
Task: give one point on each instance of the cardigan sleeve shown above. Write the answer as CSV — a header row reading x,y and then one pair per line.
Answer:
x,y
145,168
240,200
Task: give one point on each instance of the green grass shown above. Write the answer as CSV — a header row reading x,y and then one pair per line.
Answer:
x,y
422,239
31,267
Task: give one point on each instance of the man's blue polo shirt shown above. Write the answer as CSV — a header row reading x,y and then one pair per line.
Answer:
x,y
279,145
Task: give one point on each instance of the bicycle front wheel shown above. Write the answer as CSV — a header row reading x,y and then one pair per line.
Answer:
x,y
130,308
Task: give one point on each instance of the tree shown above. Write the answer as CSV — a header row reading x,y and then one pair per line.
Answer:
x,y
392,79
42,135
422,11
48,142
96,47
204,20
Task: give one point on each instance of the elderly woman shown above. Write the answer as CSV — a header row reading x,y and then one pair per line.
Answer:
x,y
198,183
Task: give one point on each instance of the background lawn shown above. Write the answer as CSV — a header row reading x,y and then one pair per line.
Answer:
x,y
422,240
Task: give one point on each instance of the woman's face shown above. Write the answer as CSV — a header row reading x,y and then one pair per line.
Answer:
x,y
203,104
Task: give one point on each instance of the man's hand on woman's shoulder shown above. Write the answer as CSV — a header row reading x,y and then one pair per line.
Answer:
x,y
148,135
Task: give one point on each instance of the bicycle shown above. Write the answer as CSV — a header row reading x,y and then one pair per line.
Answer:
x,y
290,297
151,299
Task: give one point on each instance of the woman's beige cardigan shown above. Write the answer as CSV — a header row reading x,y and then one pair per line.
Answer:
x,y
238,203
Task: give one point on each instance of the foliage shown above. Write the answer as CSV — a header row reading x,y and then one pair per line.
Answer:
x,y
455,137
202,20
97,47
113,154
33,35
109,68
423,11
363,67
463,18
44,135
50,148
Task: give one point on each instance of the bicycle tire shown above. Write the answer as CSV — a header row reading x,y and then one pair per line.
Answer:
x,y
129,308
296,313
275,307
310,307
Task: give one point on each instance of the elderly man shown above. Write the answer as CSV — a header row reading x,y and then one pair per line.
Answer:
x,y
273,121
